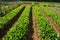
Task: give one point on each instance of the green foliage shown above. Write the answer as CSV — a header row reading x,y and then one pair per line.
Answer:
x,y
19,29
46,30
8,7
53,15
9,16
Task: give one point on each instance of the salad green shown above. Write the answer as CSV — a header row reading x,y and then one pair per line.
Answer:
x,y
45,28
19,29
9,16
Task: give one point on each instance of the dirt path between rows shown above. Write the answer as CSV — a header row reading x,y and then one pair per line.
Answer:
x,y
36,34
9,24
55,26
54,10
33,33
26,4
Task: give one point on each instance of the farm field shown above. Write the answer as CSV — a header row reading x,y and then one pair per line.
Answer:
x,y
29,21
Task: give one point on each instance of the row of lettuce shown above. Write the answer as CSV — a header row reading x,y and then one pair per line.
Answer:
x,y
53,15
4,9
19,29
46,30
9,16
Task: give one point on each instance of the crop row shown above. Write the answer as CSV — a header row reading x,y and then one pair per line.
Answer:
x,y
9,16
53,15
46,30
4,9
19,29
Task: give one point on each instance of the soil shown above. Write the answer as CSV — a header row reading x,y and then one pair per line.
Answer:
x,y
36,34
55,26
26,4
9,24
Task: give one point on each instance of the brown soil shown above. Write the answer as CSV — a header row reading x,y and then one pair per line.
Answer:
x,y
55,26
36,34
54,10
26,4
9,24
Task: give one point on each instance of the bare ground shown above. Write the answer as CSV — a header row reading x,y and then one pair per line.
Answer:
x,y
55,26
26,4
36,34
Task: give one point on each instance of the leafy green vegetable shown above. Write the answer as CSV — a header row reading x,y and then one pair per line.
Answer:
x,y
9,16
45,28
53,15
19,29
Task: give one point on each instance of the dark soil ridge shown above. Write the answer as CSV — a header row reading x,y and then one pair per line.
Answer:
x,y
9,24
55,26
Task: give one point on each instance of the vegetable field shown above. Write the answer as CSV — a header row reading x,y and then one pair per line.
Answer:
x,y
30,21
